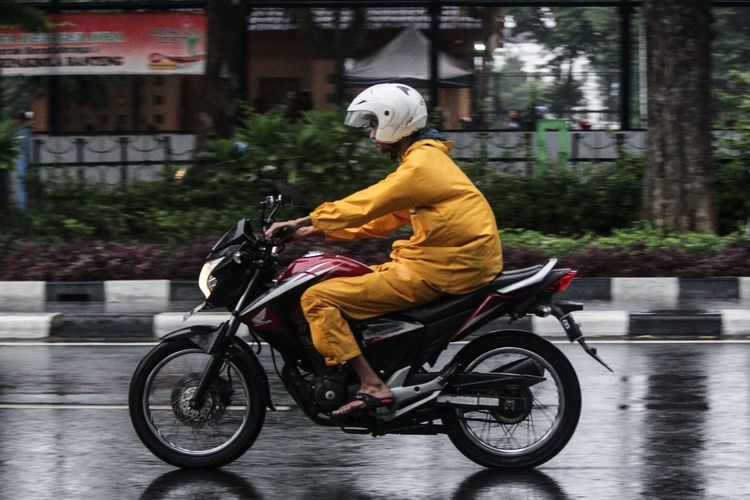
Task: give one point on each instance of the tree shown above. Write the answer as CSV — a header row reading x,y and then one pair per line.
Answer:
x,y
224,82
14,13
571,33
678,186
730,53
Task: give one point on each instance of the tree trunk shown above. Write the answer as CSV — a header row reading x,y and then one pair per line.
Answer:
x,y
224,81
678,192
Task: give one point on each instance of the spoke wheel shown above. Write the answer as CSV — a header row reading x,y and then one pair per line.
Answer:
x,y
531,423
215,433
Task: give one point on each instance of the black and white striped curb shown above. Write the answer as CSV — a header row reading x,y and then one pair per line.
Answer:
x,y
37,293
132,324
608,323
156,291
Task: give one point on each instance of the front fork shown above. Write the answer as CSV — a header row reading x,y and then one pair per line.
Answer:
x,y
217,351
220,347
563,310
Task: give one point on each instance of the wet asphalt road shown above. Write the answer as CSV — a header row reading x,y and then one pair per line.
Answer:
x,y
671,423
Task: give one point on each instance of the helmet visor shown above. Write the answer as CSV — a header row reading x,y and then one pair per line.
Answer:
x,y
359,119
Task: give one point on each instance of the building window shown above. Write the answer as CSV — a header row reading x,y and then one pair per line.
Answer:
x,y
158,81
159,119
158,100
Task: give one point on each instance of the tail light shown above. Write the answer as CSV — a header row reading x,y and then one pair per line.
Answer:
x,y
561,284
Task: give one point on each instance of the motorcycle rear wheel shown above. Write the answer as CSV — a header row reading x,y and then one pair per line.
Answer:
x,y
532,435
211,436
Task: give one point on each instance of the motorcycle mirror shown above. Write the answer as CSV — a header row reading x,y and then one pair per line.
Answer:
x,y
269,202
284,200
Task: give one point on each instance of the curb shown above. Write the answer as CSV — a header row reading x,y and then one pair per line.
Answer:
x,y
148,326
165,291
157,293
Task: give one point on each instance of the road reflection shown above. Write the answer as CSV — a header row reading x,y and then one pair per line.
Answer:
x,y
676,415
202,484
189,484
509,484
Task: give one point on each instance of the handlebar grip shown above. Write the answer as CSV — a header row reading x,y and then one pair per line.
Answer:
x,y
282,233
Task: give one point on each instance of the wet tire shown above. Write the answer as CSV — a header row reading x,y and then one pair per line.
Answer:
x,y
527,439
171,430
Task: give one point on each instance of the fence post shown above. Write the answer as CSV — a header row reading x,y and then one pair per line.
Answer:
x,y
80,142
123,159
167,144
36,152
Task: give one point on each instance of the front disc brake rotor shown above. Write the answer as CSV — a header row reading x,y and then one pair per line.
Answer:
x,y
213,406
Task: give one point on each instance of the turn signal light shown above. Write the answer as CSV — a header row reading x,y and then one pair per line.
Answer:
x,y
561,284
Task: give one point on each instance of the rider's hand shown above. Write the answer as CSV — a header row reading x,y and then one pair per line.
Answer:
x,y
276,226
300,228
304,232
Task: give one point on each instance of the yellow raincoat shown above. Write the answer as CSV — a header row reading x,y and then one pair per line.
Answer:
x,y
455,247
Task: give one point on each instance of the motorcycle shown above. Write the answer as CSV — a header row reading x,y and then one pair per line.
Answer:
x,y
506,399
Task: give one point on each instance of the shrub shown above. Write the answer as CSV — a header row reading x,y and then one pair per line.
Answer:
x,y
562,200
636,253
8,142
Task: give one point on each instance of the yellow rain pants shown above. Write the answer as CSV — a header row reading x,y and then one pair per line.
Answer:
x,y
455,247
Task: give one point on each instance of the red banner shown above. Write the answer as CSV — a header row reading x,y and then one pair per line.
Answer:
x,y
112,43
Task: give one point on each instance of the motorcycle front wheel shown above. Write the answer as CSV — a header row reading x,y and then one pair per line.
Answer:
x,y
534,421
216,433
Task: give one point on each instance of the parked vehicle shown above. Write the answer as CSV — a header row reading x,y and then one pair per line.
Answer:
x,y
506,399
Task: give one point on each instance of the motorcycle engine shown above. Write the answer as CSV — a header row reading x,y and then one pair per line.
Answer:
x,y
330,393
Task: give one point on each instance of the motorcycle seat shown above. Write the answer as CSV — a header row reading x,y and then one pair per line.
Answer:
x,y
452,304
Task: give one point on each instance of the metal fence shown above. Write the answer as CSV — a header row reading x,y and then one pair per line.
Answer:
x,y
117,159
110,159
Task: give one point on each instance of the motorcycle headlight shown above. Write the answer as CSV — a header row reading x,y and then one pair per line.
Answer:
x,y
206,282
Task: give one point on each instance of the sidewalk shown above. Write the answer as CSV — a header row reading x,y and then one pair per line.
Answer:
x,y
147,310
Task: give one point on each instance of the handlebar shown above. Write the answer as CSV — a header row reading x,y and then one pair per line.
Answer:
x,y
282,233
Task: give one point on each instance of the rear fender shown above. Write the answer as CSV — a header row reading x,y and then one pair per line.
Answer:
x,y
489,337
204,337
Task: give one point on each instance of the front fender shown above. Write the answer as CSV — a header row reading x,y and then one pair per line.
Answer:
x,y
204,337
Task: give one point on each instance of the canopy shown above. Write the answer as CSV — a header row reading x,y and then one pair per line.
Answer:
x,y
406,59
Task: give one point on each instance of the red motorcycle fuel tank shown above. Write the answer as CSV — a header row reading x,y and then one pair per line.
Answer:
x,y
332,266
301,274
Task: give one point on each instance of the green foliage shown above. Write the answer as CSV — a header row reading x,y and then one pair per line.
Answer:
x,y
315,159
732,171
561,200
15,13
318,158
730,51
8,142
638,237
568,33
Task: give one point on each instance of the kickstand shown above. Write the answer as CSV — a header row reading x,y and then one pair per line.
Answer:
x,y
591,351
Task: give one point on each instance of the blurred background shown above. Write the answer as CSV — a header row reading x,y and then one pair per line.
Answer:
x,y
159,123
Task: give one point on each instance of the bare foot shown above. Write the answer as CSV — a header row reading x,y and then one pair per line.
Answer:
x,y
364,400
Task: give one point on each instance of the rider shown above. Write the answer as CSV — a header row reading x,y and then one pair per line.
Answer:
x,y
455,247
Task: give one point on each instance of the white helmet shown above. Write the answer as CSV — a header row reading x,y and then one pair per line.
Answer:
x,y
399,109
